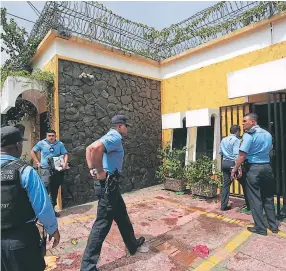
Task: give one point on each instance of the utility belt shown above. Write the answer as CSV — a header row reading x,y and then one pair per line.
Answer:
x,y
110,184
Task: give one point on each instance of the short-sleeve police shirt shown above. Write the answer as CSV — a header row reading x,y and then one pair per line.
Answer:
x,y
49,150
257,145
113,157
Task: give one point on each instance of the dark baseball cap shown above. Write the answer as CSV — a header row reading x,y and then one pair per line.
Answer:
x,y
10,135
120,119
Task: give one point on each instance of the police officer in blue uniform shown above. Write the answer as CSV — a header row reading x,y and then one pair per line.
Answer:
x,y
255,150
50,147
229,149
104,158
23,199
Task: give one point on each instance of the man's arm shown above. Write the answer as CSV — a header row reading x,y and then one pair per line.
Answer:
x,y
239,161
243,150
41,202
94,154
34,152
236,148
220,150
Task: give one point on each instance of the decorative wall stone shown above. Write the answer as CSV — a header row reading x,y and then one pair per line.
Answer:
x,y
86,107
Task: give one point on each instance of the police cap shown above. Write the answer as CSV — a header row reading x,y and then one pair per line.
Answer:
x,y
120,119
10,135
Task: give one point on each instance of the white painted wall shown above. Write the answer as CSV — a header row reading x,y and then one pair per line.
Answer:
x,y
16,85
267,77
200,117
173,120
44,58
279,31
79,52
243,44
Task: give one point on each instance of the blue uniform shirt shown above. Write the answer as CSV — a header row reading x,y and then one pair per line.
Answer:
x,y
229,147
113,157
36,190
257,145
44,147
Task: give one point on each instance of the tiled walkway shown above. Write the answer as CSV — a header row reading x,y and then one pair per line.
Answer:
x,y
173,226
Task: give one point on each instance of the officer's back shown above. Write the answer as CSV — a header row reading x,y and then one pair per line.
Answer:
x,y
23,198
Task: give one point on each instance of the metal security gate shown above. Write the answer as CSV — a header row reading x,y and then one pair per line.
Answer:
x,y
276,109
272,117
233,115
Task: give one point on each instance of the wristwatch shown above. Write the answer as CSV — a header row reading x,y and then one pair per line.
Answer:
x,y
94,170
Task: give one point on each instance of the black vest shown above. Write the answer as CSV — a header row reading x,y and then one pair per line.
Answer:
x,y
16,208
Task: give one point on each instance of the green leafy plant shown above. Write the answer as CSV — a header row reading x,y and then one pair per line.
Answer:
x,y
172,165
203,171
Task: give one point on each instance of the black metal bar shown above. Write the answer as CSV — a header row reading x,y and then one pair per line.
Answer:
x,y
269,113
282,137
237,115
277,152
225,120
220,115
253,108
243,110
231,116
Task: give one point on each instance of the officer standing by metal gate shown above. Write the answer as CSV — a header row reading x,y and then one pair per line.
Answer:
x,y
23,199
255,151
50,147
105,158
229,149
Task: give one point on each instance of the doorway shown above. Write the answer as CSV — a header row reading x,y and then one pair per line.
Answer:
x,y
205,140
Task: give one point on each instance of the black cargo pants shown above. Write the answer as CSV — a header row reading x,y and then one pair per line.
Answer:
x,y
260,184
226,169
110,207
52,183
20,249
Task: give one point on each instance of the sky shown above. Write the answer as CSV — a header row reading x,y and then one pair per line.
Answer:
x,y
158,14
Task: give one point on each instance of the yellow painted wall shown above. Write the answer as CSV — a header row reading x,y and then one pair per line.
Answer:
x,y
166,137
207,87
52,66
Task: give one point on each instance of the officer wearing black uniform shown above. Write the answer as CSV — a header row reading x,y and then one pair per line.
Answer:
x,y
255,150
105,158
23,198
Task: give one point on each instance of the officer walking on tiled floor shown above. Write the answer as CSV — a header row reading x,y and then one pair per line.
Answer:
x,y
255,151
105,158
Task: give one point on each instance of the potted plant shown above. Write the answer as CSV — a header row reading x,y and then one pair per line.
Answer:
x,y
171,170
203,177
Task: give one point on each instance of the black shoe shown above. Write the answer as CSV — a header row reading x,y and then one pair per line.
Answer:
x,y
140,242
254,230
274,230
227,208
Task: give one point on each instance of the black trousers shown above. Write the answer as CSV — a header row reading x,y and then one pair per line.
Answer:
x,y
52,182
20,249
226,169
110,207
260,184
